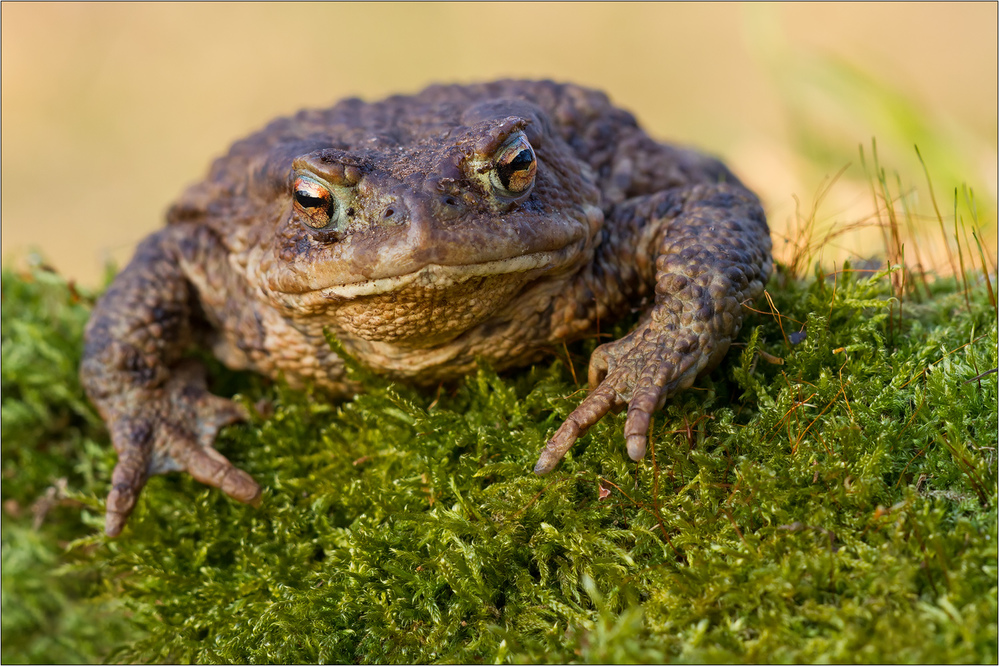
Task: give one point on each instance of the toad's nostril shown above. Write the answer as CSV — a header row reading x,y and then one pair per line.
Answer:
x,y
394,211
451,201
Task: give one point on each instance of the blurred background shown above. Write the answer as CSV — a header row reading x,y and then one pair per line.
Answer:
x,y
109,110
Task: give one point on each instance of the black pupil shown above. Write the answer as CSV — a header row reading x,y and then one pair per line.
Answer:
x,y
306,200
521,162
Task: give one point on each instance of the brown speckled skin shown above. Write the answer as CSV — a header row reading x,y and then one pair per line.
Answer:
x,y
428,268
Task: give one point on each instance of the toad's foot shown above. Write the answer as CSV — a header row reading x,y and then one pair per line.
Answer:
x,y
640,371
712,254
167,429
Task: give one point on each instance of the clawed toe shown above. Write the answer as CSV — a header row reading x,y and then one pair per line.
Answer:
x,y
212,468
636,446
596,405
118,507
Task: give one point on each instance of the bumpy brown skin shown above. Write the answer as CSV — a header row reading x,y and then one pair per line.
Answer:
x,y
429,263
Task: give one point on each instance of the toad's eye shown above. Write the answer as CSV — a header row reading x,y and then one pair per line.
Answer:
x,y
315,201
515,167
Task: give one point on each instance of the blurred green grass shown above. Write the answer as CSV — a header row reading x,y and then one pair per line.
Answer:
x,y
830,101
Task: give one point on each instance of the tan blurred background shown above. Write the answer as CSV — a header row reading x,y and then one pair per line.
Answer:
x,y
110,109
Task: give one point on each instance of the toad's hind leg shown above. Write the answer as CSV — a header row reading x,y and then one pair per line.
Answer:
x,y
712,250
160,415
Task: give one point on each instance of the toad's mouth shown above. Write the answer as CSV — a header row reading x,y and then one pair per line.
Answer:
x,y
438,276
428,306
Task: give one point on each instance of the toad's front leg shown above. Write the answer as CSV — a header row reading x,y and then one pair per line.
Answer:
x,y
712,255
158,410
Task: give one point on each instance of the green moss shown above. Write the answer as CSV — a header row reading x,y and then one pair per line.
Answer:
x,y
838,507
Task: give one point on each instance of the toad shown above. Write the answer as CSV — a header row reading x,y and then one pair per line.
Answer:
x,y
424,232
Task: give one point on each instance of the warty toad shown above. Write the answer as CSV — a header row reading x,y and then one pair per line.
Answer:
x,y
485,221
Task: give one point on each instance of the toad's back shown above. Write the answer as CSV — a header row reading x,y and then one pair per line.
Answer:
x,y
608,139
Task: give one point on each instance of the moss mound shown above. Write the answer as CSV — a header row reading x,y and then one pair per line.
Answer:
x,y
840,506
